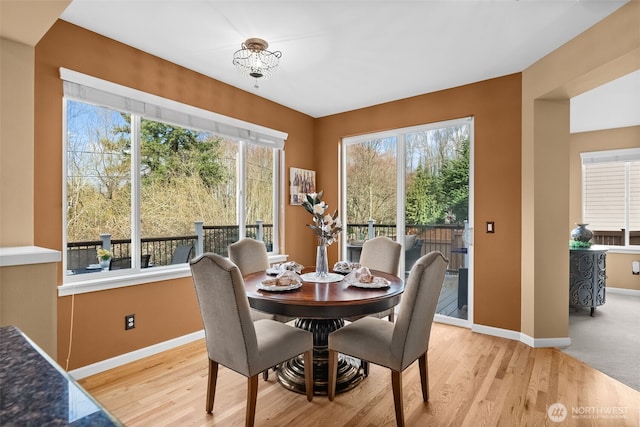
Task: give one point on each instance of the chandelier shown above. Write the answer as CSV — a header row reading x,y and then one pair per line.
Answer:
x,y
255,60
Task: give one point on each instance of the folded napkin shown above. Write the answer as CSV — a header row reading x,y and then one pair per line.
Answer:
x,y
345,266
361,274
291,266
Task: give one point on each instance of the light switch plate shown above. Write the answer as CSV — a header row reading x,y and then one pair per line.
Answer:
x,y
491,227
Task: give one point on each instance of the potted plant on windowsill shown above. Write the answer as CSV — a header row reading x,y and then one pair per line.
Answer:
x,y
104,258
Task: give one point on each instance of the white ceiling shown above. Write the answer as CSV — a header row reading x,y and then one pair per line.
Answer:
x,y
343,55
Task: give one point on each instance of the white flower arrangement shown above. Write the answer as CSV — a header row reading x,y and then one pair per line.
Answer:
x,y
327,227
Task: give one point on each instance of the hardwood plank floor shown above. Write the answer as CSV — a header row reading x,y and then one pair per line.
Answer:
x,y
475,380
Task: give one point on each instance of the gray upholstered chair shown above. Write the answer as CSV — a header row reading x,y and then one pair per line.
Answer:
x,y
382,254
396,345
250,255
233,339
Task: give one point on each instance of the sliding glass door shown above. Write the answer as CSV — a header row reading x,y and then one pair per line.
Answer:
x,y
412,185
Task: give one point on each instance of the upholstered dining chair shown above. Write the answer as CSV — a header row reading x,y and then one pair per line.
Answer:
x,y
383,254
396,345
250,255
233,339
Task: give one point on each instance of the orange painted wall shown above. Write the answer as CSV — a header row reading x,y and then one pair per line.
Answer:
x,y
496,107
164,310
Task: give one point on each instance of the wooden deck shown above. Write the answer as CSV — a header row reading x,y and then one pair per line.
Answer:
x,y
448,301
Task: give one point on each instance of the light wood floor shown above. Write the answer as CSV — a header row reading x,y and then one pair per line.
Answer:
x,y
475,380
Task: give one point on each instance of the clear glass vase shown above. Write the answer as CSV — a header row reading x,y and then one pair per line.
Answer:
x,y
322,262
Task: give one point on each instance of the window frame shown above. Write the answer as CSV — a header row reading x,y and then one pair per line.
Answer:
x,y
625,156
90,90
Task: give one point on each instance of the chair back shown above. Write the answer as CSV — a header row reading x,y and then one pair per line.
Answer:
x,y
229,331
80,258
382,254
249,255
120,263
144,260
417,307
125,262
181,254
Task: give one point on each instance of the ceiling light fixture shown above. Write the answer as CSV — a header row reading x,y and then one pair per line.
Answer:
x,y
255,61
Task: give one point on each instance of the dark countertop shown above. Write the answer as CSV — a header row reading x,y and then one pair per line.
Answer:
x,y
36,391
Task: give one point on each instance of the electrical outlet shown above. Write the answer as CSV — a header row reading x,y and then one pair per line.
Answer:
x,y
129,321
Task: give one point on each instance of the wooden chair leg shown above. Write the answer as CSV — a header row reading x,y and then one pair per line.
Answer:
x,y
333,372
211,386
308,374
265,374
396,384
392,315
424,376
252,396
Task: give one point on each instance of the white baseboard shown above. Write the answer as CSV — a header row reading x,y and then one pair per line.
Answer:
x,y
545,342
123,359
464,323
519,336
623,291
104,365
496,332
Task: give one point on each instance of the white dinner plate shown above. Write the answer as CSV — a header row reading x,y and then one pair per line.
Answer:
x,y
378,282
278,288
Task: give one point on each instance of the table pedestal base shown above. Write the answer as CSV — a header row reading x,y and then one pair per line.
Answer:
x,y
291,372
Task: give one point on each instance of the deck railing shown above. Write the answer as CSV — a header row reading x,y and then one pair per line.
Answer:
x,y
208,238
614,238
445,238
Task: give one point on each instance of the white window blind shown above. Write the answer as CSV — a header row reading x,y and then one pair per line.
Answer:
x,y
611,191
96,91
604,195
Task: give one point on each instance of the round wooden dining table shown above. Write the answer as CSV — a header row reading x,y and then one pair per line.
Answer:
x,y
321,308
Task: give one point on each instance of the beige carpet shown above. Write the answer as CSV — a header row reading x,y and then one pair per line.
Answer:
x,y
610,340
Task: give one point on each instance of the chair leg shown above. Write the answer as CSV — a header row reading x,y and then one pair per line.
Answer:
x,y
392,315
396,384
265,374
333,372
308,374
424,376
252,395
211,386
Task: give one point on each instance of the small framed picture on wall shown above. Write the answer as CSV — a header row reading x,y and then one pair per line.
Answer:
x,y
301,183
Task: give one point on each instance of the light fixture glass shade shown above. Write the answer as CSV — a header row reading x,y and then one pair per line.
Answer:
x,y
254,60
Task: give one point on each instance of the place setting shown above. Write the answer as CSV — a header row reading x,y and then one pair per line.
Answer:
x,y
285,280
276,269
362,277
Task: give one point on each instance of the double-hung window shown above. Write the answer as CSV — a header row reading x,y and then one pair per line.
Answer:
x,y
155,182
611,196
